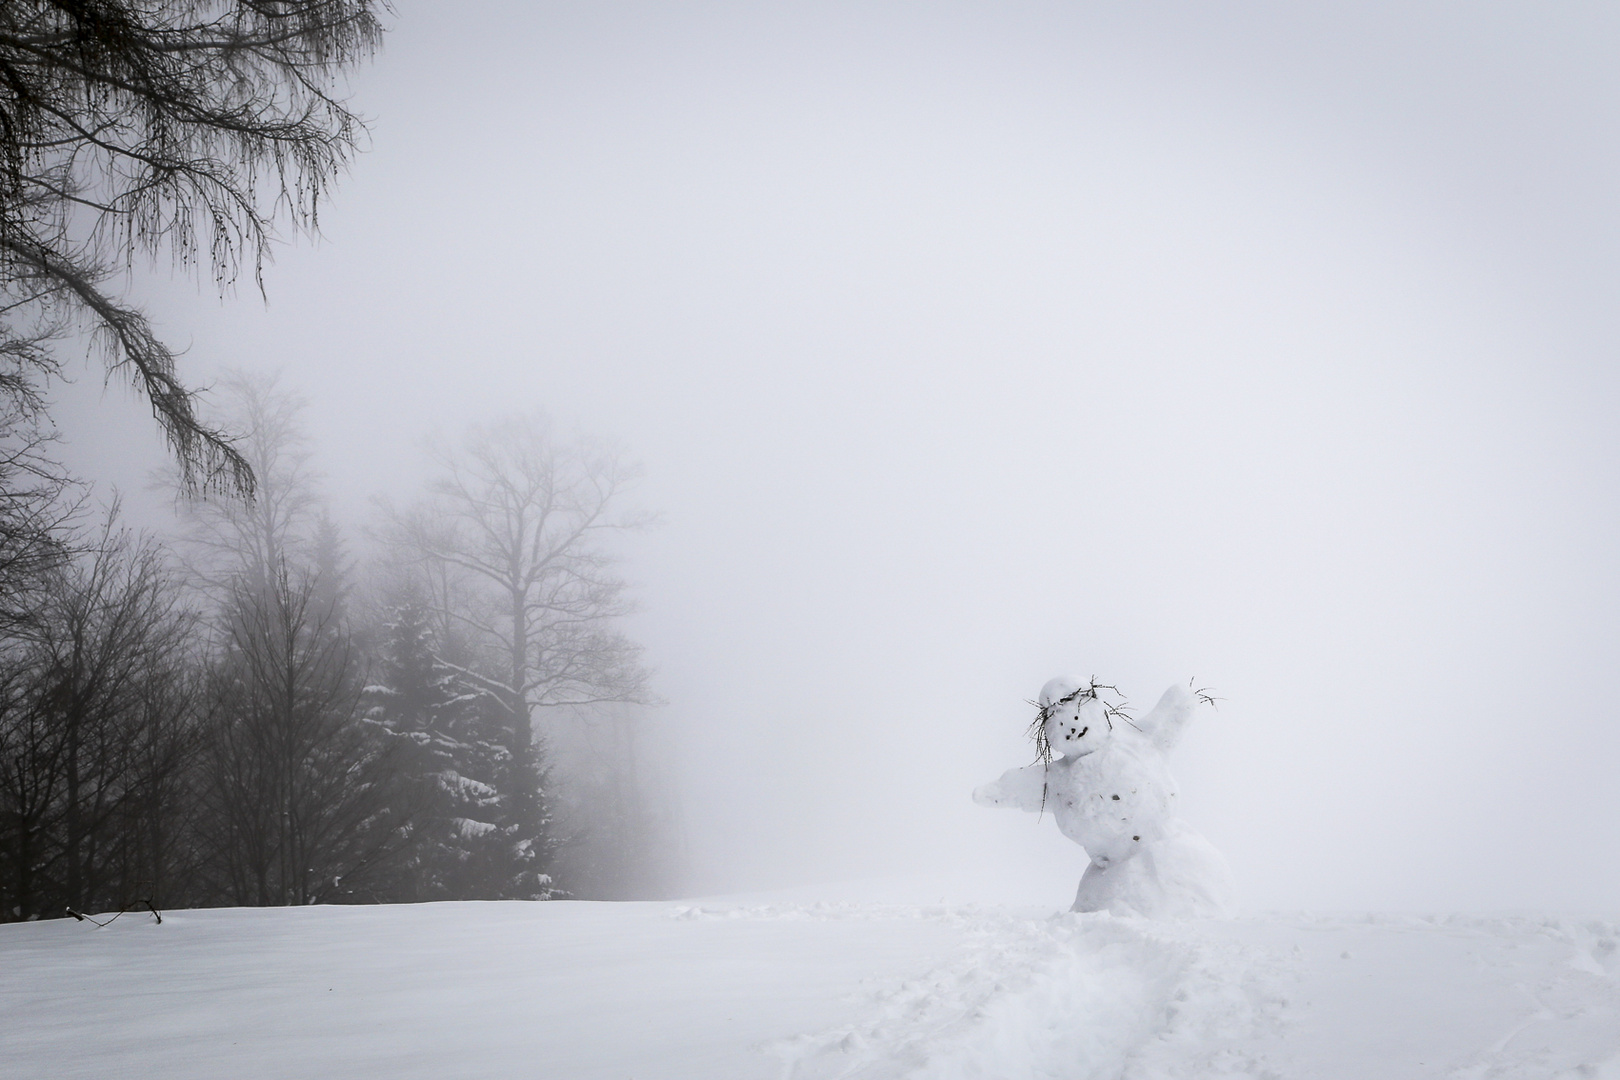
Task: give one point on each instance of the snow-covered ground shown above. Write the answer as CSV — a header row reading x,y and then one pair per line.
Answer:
x,y
810,985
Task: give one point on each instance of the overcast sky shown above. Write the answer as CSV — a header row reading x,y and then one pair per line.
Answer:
x,y
966,345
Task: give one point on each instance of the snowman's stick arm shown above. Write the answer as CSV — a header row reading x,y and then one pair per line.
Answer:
x,y
1018,789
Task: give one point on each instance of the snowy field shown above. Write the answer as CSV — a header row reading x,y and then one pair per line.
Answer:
x,y
792,986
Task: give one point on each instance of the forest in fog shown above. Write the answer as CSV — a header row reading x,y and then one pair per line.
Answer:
x,y
248,705
255,708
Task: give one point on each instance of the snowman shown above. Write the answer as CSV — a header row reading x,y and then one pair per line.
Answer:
x,y
1105,779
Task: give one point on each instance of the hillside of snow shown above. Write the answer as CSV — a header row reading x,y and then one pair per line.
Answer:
x,y
791,986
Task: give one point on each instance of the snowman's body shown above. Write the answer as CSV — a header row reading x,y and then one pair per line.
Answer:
x,y
1112,801
1109,788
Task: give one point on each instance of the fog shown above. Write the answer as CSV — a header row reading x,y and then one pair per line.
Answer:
x,y
969,345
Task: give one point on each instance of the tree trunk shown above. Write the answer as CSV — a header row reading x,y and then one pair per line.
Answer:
x,y
522,731
74,822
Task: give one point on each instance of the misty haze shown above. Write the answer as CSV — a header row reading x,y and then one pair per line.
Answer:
x,y
723,540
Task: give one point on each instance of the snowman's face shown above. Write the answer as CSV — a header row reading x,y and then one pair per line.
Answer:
x,y
1077,728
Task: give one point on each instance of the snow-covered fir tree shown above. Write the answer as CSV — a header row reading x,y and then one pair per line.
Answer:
x,y
481,828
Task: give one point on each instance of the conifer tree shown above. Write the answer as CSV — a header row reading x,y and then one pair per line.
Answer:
x,y
477,832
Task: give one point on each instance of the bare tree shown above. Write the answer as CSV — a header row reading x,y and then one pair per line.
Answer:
x,y
305,791
38,506
31,783
515,535
91,725
157,853
302,787
512,545
147,127
227,539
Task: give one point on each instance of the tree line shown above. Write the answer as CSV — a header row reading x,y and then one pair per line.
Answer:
x,y
245,712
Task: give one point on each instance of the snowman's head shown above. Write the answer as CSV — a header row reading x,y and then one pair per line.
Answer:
x,y
1074,722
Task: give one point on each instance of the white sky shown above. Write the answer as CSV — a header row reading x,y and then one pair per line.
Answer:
x,y
970,344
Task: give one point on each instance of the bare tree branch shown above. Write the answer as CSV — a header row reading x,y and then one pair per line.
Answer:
x,y
187,127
